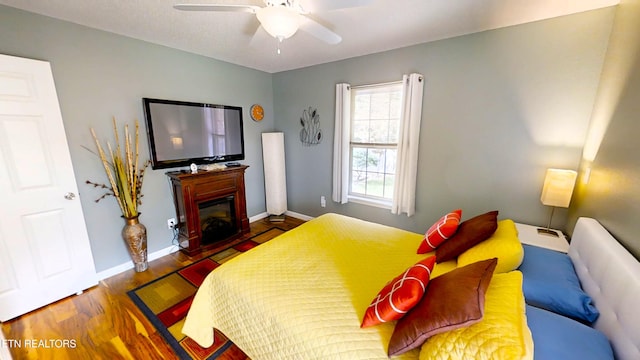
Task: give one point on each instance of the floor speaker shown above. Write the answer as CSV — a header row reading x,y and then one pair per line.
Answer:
x,y
275,182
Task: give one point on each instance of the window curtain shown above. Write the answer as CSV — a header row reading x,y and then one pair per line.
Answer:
x,y
341,138
404,195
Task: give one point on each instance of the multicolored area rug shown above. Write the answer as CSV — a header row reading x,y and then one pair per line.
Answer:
x,y
166,301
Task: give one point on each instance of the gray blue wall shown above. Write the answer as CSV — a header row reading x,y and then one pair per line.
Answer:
x,y
99,75
499,108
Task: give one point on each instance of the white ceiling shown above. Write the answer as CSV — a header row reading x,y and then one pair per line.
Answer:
x,y
229,36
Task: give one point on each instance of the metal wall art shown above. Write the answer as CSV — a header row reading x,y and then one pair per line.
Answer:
x,y
311,134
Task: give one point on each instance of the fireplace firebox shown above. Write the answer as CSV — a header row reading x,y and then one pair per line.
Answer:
x,y
210,208
217,220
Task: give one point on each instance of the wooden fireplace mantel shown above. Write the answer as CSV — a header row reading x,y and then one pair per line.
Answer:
x,y
190,190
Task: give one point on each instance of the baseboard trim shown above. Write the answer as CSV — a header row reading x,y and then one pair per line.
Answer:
x,y
299,216
129,264
289,213
173,248
258,217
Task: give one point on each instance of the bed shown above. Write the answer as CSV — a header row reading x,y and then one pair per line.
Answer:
x,y
611,276
304,294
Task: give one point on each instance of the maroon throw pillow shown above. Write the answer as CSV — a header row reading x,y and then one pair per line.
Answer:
x,y
470,233
453,300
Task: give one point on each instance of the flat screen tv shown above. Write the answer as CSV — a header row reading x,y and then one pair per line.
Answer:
x,y
181,133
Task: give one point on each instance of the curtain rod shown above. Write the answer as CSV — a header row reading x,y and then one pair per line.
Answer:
x,y
376,85
381,84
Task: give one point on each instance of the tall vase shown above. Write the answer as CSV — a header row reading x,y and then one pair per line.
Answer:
x,y
135,236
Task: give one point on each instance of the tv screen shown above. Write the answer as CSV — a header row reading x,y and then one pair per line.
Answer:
x,y
181,133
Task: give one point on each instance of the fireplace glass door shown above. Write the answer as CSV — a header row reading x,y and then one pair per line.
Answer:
x,y
217,220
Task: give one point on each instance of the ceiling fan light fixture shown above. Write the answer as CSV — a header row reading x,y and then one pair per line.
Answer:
x,y
280,22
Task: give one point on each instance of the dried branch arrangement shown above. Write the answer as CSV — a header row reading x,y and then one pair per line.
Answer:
x,y
122,170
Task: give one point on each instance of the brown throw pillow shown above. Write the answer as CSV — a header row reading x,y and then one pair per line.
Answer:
x,y
453,300
470,233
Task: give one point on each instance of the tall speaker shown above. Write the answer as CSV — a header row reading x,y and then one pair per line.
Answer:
x,y
275,182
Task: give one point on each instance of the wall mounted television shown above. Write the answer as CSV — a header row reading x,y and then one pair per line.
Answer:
x,y
181,133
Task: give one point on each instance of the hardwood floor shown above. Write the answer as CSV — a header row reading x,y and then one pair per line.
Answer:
x,y
103,323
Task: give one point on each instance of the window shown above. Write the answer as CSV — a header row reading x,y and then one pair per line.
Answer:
x,y
375,123
375,144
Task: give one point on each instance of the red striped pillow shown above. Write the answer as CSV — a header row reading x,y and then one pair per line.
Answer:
x,y
400,295
440,231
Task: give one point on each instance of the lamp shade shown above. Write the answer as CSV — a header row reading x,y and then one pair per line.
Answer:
x,y
279,21
558,187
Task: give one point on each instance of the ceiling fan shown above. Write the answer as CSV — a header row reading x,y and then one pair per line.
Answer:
x,y
282,18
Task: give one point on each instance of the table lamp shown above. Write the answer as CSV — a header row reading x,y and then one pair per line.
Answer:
x,y
556,192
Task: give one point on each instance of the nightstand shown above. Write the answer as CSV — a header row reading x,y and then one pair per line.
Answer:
x,y
528,234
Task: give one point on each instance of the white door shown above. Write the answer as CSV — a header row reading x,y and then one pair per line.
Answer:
x,y
44,247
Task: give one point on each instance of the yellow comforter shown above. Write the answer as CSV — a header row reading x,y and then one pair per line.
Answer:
x,y
303,295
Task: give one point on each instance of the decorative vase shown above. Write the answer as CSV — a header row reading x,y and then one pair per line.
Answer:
x,y
135,236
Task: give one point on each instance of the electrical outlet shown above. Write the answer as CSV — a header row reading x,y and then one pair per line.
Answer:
x,y
323,201
171,223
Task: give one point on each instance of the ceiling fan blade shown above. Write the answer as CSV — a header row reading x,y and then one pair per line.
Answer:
x,y
328,5
319,31
251,27
212,7
259,38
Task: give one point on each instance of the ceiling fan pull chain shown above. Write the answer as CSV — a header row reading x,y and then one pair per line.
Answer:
x,y
279,39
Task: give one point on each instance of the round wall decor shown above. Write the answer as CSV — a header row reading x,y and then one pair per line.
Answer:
x,y
257,112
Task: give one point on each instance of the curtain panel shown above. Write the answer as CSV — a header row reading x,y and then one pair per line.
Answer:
x,y
341,139
404,194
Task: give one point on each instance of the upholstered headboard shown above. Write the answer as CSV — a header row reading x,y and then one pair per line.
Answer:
x,y
611,275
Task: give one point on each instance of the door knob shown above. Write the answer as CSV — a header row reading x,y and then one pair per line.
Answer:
x,y
69,196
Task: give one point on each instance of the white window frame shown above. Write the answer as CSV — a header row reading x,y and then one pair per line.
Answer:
x,y
371,200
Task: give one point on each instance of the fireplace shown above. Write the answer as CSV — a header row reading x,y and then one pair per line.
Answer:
x,y
210,207
217,220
